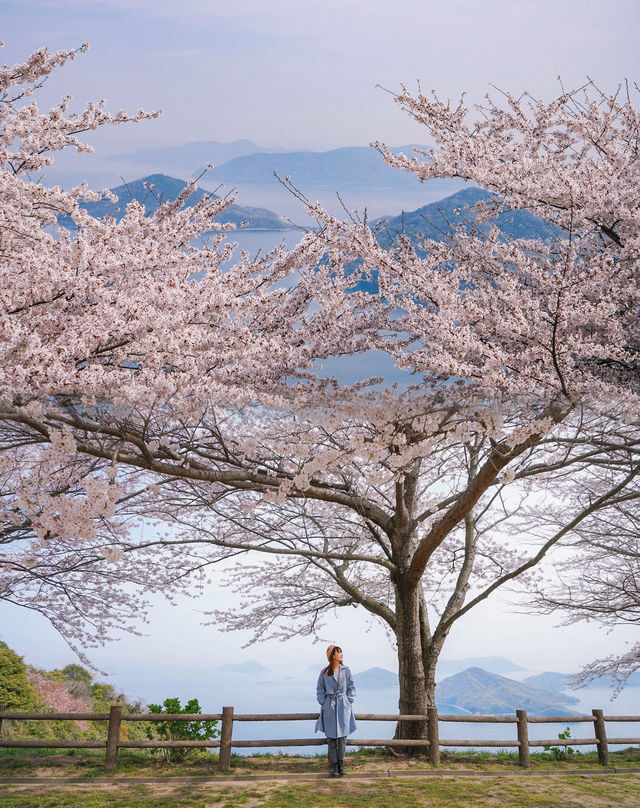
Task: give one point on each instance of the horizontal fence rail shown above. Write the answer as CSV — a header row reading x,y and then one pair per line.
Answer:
x,y
430,741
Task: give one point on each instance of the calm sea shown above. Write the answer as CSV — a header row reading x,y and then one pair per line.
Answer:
x,y
271,693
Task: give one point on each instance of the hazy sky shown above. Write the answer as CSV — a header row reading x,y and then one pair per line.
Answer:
x,y
176,648
303,74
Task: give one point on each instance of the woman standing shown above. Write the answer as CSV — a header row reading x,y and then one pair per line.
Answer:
x,y
336,692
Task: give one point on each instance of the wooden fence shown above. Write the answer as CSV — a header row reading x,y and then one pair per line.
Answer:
x,y
431,742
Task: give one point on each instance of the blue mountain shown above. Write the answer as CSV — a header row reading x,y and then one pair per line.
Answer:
x,y
375,678
155,189
344,168
492,664
484,693
434,221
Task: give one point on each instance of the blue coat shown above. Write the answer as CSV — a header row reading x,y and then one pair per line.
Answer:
x,y
335,696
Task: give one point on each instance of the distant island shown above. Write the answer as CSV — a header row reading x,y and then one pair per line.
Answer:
x,y
484,693
477,691
493,664
375,678
188,156
435,220
341,168
153,190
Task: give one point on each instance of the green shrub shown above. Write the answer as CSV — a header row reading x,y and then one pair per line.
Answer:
x,y
76,673
180,730
16,692
24,688
562,751
104,692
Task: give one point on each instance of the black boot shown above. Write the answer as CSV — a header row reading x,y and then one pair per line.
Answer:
x,y
341,769
335,770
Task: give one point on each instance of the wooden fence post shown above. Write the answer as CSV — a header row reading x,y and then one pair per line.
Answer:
x,y
601,735
113,736
524,758
433,735
224,759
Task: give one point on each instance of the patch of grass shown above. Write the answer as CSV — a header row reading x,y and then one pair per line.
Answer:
x,y
572,792
629,757
567,791
74,798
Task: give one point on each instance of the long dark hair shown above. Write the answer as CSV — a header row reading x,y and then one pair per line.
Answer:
x,y
330,669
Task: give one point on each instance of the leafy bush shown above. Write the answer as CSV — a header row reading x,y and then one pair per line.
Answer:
x,y
103,692
76,673
24,688
16,692
180,730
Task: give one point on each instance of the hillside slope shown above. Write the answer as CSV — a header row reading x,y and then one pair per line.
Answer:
x,y
343,168
435,220
484,693
153,190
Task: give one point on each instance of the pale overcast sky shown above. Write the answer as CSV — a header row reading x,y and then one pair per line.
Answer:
x,y
303,74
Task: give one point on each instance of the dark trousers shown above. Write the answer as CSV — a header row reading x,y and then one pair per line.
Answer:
x,y
337,747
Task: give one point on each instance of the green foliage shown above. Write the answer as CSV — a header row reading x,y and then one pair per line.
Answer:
x,y
180,730
103,692
19,695
16,692
76,673
562,751
56,675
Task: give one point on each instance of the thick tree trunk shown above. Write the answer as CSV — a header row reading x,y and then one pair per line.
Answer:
x,y
413,695
411,620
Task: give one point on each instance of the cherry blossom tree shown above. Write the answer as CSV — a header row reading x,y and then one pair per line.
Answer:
x,y
528,350
52,523
118,310
56,695
197,392
335,543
